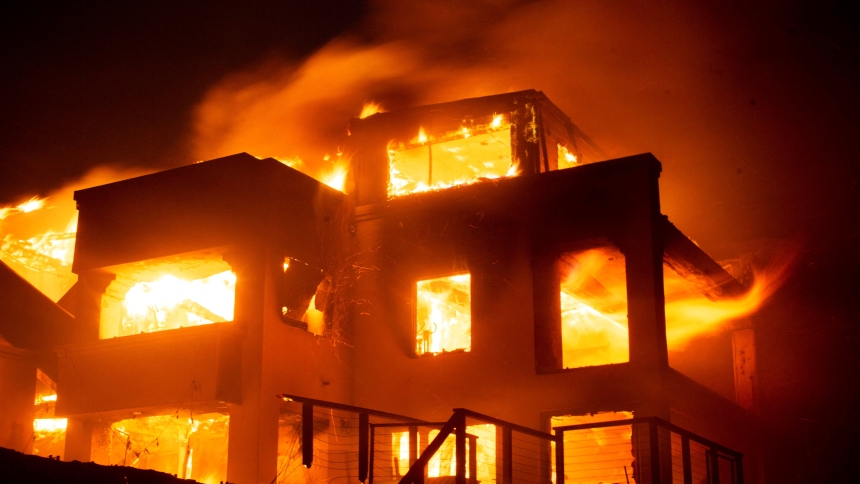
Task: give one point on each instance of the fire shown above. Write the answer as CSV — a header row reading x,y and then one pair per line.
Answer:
x,y
400,444
610,447
465,156
45,398
566,159
336,177
593,309
690,314
443,312
444,463
49,425
369,109
170,303
34,203
193,447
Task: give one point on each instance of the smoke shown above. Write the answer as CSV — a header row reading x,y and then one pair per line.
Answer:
x,y
440,51
711,89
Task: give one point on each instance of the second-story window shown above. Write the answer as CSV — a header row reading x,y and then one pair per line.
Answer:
x,y
443,317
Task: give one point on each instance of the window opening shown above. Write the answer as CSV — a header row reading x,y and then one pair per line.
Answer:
x,y
593,308
443,315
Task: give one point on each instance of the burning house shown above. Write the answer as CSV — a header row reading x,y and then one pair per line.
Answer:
x,y
235,319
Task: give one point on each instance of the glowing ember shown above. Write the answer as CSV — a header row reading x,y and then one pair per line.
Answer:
x,y
170,303
369,109
443,312
468,155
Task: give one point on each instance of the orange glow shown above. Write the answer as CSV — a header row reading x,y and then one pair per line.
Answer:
x,y
369,109
598,455
168,302
468,155
443,315
593,308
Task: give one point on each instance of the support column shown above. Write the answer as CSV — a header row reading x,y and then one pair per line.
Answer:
x,y
252,450
79,440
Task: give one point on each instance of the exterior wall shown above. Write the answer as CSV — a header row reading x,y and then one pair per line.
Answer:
x,y
18,389
497,231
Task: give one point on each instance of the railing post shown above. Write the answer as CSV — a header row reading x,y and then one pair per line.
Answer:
x,y
687,461
372,454
507,455
363,446
460,447
473,459
654,444
739,469
307,434
413,445
715,466
559,456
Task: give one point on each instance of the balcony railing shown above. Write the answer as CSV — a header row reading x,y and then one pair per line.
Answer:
x,y
348,444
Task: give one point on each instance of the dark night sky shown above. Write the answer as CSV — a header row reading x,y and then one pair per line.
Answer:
x,y
753,107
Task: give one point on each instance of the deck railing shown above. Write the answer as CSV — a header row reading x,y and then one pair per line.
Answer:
x,y
344,443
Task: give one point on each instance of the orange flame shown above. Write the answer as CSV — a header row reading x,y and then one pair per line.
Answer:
x,y
369,109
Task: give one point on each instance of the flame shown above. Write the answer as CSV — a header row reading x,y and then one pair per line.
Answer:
x,y
49,425
154,442
421,138
462,157
400,442
594,308
336,177
369,109
690,314
40,399
497,121
594,279
32,204
170,303
566,159
443,310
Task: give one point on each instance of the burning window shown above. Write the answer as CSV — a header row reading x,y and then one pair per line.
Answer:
x,y
191,446
168,295
593,308
443,315
597,455
435,161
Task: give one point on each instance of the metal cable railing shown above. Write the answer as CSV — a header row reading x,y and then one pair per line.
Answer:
x,y
328,442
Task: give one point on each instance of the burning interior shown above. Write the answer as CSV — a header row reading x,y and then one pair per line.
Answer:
x,y
443,315
172,293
